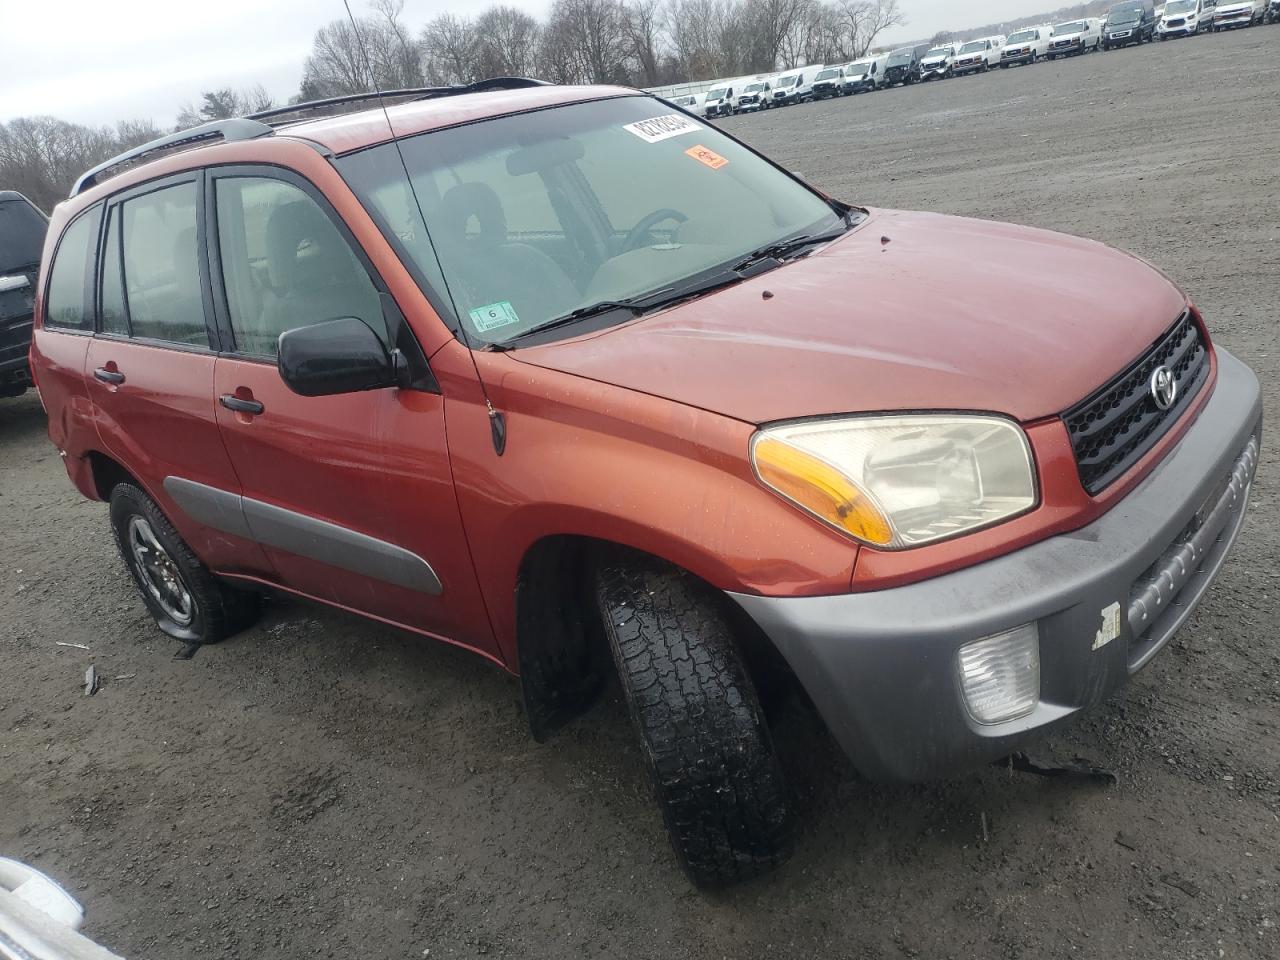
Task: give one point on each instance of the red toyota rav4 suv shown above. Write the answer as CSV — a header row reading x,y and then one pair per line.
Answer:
x,y
565,378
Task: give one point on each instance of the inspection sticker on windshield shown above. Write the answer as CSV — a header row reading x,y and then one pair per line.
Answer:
x,y
494,315
1110,628
657,129
709,157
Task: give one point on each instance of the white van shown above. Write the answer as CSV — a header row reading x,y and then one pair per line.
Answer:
x,y
936,64
1026,46
978,55
692,102
1186,18
720,101
755,96
863,76
828,82
1238,13
1076,37
795,87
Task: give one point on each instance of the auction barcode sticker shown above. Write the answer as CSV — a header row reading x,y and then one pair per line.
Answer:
x,y
656,129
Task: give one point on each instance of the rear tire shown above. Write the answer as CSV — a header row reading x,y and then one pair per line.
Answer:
x,y
186,600
707,749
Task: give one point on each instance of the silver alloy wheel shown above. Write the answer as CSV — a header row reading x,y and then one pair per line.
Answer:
x,y
159,574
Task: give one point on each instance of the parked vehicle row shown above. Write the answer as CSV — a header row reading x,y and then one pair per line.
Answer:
x,y
1128,23
22,230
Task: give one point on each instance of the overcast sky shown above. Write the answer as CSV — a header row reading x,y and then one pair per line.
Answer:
x,y
96,62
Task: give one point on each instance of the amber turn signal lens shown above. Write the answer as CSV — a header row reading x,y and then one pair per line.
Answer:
x,y
821,489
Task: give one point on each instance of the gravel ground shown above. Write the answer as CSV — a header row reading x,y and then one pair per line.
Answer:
x,y
322,786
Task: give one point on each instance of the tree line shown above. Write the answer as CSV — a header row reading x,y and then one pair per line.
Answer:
x,y
636,42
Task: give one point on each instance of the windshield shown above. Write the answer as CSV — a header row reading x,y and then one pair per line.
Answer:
x,y
937,52
1063,29
22,231
828,74
1124,13
1022,36
1179,6
719,93
753,88
535,215
973,46
788,81
898,59
857,69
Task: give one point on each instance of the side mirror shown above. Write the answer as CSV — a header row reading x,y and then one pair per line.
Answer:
x,y
337,356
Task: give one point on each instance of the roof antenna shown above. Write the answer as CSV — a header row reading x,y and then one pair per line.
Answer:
x,y
497,421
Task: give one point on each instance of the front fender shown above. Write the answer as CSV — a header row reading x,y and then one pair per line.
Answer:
x,y
589,459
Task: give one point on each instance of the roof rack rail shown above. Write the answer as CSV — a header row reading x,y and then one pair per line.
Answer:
x,y
409,94
236,128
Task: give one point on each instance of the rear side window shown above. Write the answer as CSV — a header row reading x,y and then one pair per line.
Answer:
x,y
162,290
286,265
67,301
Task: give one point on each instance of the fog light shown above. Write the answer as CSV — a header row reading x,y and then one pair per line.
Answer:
x,y
1000,674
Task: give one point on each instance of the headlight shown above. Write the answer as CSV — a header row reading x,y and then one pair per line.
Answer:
x,y
900,481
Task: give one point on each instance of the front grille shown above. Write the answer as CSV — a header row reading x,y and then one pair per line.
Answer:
x,y
1175,23
1112,429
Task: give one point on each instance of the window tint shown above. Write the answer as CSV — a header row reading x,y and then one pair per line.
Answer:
x,y
66,303
162,267
285,264
22,229
114,319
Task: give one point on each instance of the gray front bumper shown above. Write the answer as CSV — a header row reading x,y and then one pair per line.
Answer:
x,y
881,666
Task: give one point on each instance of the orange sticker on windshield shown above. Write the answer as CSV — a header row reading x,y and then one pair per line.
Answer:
x,y
709,157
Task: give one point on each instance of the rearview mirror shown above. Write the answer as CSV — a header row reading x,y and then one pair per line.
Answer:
x,y
337,356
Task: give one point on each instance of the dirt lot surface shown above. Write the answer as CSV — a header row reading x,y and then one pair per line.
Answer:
x,y
325,787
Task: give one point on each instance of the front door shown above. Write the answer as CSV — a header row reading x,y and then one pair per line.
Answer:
x,y
351,496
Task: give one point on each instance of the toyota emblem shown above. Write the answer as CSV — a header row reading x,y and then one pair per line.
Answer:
x,y
1164,388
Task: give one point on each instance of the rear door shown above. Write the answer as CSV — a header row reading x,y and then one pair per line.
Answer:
x,y
149,370
352,495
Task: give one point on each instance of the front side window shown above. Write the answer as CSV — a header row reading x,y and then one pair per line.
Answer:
x,y
67,301
162,290
535,215
285,264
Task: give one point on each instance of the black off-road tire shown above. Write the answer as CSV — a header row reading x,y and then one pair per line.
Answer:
x,y
706,745
219,610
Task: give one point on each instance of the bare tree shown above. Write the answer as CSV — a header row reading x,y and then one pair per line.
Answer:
x,y
508,43
224,102
865,20
450,46
777,24
593,38
643,26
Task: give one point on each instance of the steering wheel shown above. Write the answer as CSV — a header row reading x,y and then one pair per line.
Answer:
x,y
637,235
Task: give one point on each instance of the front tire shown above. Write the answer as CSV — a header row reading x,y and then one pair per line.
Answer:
x,y
183,596
707,749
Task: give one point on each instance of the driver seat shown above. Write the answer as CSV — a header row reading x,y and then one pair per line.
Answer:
x,y
492,269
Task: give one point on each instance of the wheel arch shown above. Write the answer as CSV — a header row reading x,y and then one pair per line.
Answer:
x,y
561,651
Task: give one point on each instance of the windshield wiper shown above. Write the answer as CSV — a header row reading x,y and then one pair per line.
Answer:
x,y
776,251
742,270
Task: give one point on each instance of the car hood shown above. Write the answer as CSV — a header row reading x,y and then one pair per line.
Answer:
x,y
909,311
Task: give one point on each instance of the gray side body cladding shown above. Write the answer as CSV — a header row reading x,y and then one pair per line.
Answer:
x,y
305,536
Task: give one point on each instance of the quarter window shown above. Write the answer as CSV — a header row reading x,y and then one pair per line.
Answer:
x,y
286,265
66,304
162,288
